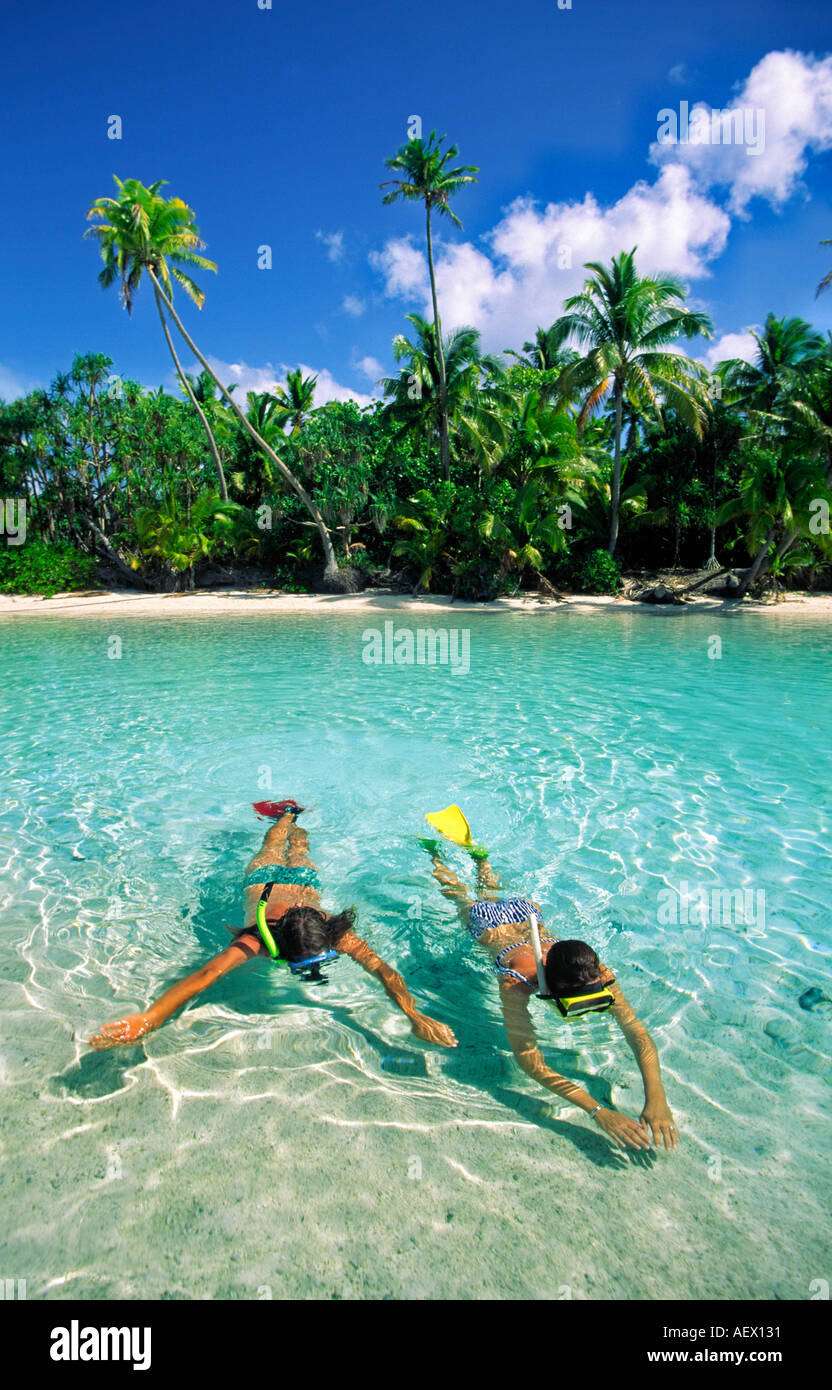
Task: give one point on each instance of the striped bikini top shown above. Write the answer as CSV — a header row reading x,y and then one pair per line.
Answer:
x,y
506,970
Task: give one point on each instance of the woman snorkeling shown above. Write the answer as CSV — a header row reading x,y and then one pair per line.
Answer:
x,y
575,979
283,920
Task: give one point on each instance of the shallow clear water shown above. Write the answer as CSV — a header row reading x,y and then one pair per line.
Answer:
x,y
278,1137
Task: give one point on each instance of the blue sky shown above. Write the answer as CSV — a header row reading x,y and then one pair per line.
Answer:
x,y
274,125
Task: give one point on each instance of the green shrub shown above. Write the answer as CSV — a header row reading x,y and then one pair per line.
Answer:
x,y
39,568
599,573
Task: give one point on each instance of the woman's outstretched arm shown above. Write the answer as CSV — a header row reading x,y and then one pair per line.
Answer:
x,y
428,1029
135,1026
656,1112
521,1036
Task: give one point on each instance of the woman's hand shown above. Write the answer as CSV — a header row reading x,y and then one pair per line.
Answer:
x,y
626,1132
657,1115
123,1030
429,1030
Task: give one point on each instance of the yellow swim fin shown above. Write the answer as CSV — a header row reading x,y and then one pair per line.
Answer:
x,y
452,824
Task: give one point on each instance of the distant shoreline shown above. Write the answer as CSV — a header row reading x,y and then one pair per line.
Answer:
x,y
202,602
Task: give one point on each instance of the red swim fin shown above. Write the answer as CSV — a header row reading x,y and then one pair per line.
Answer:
x,y
273,810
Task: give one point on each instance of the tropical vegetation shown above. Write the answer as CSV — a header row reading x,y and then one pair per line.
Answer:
x,y
600,445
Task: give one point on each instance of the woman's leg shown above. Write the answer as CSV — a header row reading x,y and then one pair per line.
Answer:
x,y
287,845
285,842
453,889
488,884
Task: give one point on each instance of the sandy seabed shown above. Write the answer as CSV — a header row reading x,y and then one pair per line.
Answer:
x,y
207,1171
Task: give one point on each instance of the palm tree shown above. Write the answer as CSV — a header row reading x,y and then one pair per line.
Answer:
x,y
534,531
786,349
179,537
474,391
427,532
546,354
542,442
426,178
140,231
139,216
295,399
627,322
776,492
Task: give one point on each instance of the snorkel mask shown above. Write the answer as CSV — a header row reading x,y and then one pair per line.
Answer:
x,y
593,999
310,968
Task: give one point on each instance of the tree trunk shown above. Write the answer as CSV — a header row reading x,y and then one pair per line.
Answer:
x,y
616,472
444,437
712,562
194,402
331,565
751,574
113,556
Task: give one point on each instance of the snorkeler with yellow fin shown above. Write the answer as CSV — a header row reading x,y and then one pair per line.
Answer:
x,y
566,973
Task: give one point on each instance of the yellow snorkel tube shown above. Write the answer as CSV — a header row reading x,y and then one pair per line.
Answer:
x,y
262,926
310,967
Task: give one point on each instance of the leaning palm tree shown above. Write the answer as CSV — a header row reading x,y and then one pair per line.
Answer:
x,y
426,178
139,231
139,214
628,323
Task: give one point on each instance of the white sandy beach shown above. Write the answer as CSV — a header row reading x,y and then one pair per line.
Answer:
x,y
270,601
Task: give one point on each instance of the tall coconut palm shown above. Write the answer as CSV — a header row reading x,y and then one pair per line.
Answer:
x,y
627,322
139,231
139,216
426,178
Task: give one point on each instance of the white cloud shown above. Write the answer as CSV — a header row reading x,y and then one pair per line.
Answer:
x,y
404,267
519,273
534,257
678,74
787,99
370,366
731,345
334,243
268,377
13,386
353,305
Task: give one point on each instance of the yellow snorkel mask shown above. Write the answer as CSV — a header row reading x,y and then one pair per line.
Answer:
x,y
310,968
591,1000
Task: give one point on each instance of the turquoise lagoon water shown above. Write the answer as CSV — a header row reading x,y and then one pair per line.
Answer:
x,y
281,1139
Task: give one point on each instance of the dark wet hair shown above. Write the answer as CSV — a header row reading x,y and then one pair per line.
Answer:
x,y
303,932
570,965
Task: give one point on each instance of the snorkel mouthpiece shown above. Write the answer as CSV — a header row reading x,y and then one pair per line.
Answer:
x,y
310,970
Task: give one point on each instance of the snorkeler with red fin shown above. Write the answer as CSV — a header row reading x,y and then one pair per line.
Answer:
x,y
284,922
